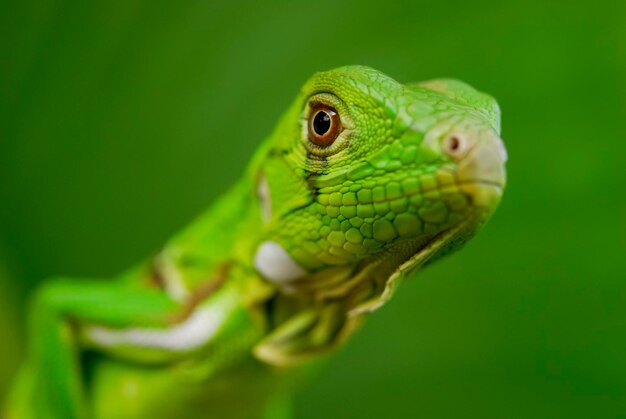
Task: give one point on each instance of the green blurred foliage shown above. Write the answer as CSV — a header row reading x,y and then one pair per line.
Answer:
x,y
122,120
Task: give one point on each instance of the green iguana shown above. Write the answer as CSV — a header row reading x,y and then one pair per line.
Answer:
x,y
363,181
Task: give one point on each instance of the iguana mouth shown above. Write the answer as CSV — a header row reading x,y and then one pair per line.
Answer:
x,y
485,194
482,182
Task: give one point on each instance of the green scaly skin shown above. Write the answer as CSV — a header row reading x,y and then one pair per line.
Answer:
x,y
282,268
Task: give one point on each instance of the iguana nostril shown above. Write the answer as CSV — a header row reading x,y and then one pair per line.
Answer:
x,y
454,145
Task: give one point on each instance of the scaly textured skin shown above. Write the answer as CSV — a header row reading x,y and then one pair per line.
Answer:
x,y
282,268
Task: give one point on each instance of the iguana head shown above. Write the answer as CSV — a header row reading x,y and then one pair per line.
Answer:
x,y
364,174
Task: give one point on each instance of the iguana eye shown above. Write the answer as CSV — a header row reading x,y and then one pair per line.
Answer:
x,y
324,125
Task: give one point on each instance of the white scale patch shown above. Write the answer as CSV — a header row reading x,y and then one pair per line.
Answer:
x,y
190,334
275,264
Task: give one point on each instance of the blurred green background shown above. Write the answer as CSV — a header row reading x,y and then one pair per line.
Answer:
x,y
122,120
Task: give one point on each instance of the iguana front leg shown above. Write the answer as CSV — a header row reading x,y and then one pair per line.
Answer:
x,y
58,310
125,319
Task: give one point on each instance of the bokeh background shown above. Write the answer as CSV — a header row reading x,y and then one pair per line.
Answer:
x,y
121,120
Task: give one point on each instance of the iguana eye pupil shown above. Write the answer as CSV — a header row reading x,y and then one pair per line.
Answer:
x,y
324,125
321,123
